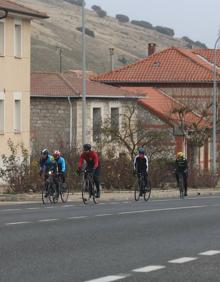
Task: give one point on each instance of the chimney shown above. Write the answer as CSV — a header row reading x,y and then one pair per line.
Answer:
x,y
151,48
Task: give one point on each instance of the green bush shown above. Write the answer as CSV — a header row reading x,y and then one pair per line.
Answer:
x,y
165,30
76,2
122,18
87,31
142,24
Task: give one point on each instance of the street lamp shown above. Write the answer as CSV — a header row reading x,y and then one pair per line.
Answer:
x,y
214,111
84,121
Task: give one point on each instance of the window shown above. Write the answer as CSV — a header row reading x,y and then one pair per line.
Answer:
x,y
17,116
2,38
17,38
2,115
115,119
97,124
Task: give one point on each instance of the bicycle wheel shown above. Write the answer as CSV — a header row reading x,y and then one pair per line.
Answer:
x,y
137,191
86,195
147,191
181,186
45,194
64,192
93,193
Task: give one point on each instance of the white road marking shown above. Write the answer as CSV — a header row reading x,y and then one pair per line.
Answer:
x,y
33,208
166,209
104,214
149,268
48,220
210,253
67,206
182,260
7,210
49,207
77,217
17,223
109,278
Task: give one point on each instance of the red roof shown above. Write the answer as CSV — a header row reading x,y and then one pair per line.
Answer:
x,y
164,106
50,85
20,9
208,54
70,85
170,65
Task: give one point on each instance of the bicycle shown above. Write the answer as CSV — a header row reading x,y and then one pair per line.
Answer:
x,y
141,188
63,189
49,191
88,187
49,188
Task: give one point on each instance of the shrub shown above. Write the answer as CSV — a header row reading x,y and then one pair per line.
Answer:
x,y
200,44
187,39
122,18
87,31
15,168
142,24
75,2
165,30
101,13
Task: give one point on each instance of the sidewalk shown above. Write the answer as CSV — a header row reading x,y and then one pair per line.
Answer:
x,y
110,195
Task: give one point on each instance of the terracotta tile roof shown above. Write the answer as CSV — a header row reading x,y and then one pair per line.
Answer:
x,y
13,7
170,65
69,84
96,89
163,106
50,85
208,54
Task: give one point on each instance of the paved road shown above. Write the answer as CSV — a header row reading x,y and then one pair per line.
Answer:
x,y
162,240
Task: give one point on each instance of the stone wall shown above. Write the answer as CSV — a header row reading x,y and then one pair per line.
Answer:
x,y
50,123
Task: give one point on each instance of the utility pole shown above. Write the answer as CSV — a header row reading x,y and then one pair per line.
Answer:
x,y
84,112
60,50
214,112
111,52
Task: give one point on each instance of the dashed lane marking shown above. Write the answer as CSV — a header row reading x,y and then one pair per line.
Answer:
x,y
48,220
17,223
33,208
8,210
77,217
182,260
148,268
104,214
166,209
210,253
109,278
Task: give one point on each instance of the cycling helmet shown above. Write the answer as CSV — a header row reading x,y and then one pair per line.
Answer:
x,y
179,154
141,150
45,152
87,147
56,154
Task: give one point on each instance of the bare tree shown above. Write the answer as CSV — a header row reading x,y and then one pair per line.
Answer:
x,y
135,131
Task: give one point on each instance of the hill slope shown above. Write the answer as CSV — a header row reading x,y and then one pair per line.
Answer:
x,y
130,41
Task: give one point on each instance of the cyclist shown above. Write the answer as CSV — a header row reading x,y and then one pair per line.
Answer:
x,y
60,167
61,164
141,165
181,166
46,162
92,163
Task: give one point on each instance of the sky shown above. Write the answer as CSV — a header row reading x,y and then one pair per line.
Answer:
x,y
197,19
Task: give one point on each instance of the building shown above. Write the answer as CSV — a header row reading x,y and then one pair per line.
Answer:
x,y
184,74
15,37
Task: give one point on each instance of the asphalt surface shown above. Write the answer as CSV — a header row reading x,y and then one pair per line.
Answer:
x,y
161,240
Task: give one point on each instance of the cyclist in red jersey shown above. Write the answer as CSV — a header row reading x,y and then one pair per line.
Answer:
x,y
92,163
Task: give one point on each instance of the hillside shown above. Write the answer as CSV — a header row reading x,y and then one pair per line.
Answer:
x,y
130,41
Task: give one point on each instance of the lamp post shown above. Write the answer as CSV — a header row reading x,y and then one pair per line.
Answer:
x,y
84,121
214,111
